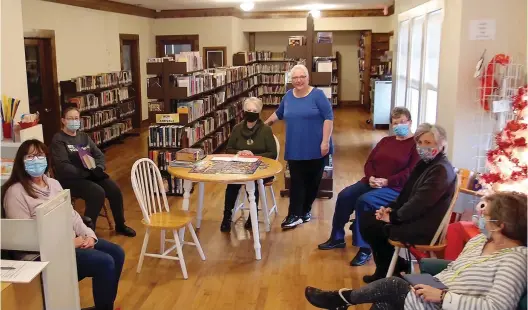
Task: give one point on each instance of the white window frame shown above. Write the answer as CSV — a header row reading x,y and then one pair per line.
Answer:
x,y
420,11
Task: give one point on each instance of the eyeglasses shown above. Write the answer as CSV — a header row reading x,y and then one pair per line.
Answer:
x,y
302,77
35,156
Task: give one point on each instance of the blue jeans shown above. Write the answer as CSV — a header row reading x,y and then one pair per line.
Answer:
x,y
358,197
103,264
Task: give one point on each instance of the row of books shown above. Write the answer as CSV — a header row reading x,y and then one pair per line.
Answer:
x,y
272,79
91,101
200,107
262,55
174,136
195,83
103,80
126,109
98,118
270,100
270,89
193,60
334,89
111,132
275,67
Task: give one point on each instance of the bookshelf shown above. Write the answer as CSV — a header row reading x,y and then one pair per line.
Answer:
x,y
373,63
106,103
200,115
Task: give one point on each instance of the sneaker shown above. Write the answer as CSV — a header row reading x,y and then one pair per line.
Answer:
x,y
126,231
327,299
307,217
291,221
362,257
332,244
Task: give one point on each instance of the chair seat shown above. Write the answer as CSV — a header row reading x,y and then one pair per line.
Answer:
x,y
420,247
270,183
173,220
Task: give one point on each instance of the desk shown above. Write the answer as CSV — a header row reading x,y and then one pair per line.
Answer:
x,y
23,296
273,168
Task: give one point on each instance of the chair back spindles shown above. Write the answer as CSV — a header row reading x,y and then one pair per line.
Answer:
x,y
148,188
441,232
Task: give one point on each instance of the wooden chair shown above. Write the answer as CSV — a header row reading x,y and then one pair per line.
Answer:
x,y
104,212
437,244
150,193
242,197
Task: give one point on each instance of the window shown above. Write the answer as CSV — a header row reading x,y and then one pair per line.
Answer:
x,y
418,58
175,44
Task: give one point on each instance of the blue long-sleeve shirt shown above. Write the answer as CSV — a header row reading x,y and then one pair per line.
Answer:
x,y
304,119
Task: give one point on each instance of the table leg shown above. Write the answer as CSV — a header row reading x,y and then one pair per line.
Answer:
x,y
264,204
250,188
200,204
187,186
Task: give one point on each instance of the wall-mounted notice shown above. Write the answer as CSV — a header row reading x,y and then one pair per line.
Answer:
x,y
483,29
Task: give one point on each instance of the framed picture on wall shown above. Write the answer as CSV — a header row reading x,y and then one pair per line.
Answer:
x,y
214,57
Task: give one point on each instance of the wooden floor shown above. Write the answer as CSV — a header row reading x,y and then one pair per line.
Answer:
x,y
231,278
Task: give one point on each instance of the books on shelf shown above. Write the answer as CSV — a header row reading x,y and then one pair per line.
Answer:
x,y
324,37
296,40
103,80
108,134
192,59
98,118
263,90
85,103
195,83
252,56
274,67
272,79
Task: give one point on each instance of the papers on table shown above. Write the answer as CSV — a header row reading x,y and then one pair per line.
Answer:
x,y
17,271
240,159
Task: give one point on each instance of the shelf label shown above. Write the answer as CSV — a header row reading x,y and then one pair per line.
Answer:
x,y
173,118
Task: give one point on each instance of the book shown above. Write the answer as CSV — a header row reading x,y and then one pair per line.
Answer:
x,y
190,154
6,166
86,158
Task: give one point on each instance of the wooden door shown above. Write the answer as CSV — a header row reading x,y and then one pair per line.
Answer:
x,y
43,97
129,44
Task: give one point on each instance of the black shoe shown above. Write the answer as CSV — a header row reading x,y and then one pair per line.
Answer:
x,y
226,223
125,231
291,221
362,257
332,244
248,225
307,217
325,299
372,278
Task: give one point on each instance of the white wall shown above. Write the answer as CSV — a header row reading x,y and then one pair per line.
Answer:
x,y
376,24
87,41
13,81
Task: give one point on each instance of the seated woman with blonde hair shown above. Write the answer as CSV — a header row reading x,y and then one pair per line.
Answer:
x,y
490,273
29,187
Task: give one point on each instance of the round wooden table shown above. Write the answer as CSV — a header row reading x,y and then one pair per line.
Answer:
x,y
272,168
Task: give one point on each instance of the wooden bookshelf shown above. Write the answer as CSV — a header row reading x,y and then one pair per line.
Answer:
x,y
225,115
116,116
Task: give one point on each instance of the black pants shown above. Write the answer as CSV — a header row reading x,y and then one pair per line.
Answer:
x,y
384,294
94,194
305,178
376,234
231,195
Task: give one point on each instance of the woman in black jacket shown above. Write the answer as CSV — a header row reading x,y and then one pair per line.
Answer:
x,y
415,215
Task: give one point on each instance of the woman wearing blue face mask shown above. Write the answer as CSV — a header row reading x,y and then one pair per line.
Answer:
x,y
414,216
28,187
489,274
387,168
91,185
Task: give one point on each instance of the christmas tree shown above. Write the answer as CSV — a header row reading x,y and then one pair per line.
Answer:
x,y
508,162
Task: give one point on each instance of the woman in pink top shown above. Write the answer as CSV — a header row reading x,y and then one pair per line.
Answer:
x,y
28,187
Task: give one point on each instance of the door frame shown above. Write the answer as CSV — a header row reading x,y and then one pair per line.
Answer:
x,y
192,39
50,35
136,75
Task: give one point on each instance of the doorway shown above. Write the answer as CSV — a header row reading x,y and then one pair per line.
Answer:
x,y
41,73
129,44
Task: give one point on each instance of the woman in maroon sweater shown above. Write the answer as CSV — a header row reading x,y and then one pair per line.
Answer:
x,y
386,171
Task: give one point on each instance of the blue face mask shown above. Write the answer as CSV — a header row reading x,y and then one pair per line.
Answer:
x,y
427,154
482,226
401,130
36,167
73,124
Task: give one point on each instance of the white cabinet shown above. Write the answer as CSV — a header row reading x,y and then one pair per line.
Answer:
x,y
381,105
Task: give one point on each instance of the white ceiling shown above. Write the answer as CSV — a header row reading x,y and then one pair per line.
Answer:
x,y
261,5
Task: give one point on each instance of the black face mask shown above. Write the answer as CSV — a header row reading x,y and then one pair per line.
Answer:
x,y
251,116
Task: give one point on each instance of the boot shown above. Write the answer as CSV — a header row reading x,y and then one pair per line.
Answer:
x,y
226,222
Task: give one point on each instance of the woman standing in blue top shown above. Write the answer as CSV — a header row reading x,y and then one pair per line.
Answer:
x,y
309,122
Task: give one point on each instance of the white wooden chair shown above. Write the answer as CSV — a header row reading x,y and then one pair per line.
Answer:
x,y
242,198
437,244
150,193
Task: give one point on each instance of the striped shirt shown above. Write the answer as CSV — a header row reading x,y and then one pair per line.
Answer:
x,y
480,282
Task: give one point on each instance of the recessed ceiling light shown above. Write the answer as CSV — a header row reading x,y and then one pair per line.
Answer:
x,y
315,13
247,6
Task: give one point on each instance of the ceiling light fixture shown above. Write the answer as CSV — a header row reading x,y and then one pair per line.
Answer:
x,y
247,6
315,13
